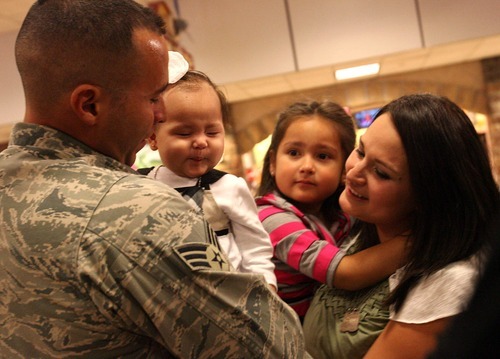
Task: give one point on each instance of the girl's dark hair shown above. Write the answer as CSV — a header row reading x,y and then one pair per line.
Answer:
x,y
456,194
193,79
326,109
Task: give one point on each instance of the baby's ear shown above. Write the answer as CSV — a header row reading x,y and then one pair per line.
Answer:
x,y
152,142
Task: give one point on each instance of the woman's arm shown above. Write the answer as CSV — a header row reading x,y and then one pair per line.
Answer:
x,y
408,341
370,265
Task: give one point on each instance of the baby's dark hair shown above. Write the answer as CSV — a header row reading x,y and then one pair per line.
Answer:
x,y
193,79
326,109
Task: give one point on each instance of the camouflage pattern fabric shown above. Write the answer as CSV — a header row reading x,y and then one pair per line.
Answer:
x,y
203,200
97,261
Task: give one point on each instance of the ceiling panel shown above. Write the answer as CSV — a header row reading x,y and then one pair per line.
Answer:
x,y
245,45
329,32
237,40
446,21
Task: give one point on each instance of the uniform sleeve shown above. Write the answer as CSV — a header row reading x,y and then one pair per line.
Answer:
x,y
147,265
300,247
250,236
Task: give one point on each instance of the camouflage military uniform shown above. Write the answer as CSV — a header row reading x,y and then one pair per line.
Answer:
x,y
97,261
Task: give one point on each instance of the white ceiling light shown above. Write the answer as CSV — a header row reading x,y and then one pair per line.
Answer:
x,y
357,71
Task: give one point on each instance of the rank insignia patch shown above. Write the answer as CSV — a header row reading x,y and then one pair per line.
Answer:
x,y
202,256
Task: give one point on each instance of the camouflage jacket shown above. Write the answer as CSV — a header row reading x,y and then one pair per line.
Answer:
x,y
98,261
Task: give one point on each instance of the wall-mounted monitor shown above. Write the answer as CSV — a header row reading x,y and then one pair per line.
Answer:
x,y
364,118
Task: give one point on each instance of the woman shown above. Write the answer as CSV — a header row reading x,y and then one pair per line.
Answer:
x,y
421,173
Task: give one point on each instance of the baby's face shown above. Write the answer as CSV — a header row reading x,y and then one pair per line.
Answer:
x,y
191,139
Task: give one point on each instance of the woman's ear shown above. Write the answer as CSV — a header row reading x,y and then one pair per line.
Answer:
x,y
84,102
152,142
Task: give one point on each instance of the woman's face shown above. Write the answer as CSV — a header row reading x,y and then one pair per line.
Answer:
x,y
378,188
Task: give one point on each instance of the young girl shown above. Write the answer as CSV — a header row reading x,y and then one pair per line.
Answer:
x,y
302,179
190,141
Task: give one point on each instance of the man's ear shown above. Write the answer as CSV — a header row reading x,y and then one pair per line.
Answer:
x,y
84,102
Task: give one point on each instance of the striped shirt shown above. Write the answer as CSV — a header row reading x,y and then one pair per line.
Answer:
x,y
306,253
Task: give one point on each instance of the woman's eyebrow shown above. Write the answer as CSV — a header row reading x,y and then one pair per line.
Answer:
x,y
381,162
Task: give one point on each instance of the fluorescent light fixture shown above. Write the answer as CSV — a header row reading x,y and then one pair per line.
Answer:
x,y
357,71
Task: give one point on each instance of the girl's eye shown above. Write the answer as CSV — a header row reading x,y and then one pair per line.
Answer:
x,y
323,156
212,134
293,153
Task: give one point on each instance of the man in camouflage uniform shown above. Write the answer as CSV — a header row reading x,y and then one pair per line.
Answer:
x,y
95,260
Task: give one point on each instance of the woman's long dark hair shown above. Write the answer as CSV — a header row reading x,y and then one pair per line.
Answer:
x,y
456,194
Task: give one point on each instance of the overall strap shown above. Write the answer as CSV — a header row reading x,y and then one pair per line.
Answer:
x,y
210,177
145,170
215,215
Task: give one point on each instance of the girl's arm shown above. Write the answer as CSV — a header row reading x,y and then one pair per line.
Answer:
x,y
370,265
297,245
408,341
300,247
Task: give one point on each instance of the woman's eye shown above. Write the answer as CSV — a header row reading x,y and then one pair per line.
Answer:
x,y
155,100
360,153
381,174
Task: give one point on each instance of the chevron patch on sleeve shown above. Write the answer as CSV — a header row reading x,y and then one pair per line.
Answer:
x,y
202,256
